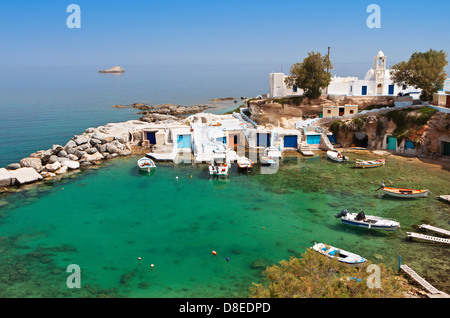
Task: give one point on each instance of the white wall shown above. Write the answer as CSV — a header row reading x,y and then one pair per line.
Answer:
x,y
278,87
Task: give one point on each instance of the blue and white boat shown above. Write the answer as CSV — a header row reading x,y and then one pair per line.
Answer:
x,y
339,254
146,164
367,221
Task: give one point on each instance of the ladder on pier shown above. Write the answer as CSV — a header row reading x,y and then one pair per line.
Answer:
x,y
434,229
426,285
428,238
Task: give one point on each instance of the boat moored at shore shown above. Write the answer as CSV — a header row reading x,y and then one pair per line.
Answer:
x,y
369,163
146,164
405,193
367,221
339,254
337,156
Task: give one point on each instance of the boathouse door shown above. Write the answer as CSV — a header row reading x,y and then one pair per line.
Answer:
x,y
183,141
151,137
392,143
446,148
263,139
290,141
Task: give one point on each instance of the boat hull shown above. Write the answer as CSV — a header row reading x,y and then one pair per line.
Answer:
x,y
146,164
370,163
219,170
370,226
340,255
405,193
333,155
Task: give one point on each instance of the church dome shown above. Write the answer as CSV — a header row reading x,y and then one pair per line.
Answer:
x,y
369,75
380,54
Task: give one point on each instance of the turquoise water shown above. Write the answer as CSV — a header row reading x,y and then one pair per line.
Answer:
x,y
104,219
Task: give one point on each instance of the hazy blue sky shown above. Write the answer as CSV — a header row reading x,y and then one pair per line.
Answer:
x,y
216,32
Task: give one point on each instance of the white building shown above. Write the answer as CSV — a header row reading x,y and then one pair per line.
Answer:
x,y
376,82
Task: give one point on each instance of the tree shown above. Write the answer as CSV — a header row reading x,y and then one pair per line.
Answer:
x,y
423,70
311,75
317,276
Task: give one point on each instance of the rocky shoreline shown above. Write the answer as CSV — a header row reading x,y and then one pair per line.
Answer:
x,y
90,148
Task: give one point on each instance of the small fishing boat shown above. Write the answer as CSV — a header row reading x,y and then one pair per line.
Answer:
x,y
369,163
340,255
271,156
146,164
336,156
367,221
405,193
219,165
244,163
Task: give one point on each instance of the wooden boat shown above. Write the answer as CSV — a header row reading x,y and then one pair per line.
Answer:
x,y
369,163
340,255
336,156
244,163
146,164
367,221
405,193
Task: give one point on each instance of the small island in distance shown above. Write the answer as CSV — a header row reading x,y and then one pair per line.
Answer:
x,y
115,69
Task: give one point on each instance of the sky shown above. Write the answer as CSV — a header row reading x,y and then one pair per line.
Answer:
x,y
227,32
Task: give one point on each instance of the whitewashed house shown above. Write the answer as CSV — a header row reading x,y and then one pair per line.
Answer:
x,y
376,82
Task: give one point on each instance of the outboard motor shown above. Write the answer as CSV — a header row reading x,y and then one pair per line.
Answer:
x,y
341,214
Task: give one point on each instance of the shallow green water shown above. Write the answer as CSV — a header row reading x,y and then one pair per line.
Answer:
x,y
104,219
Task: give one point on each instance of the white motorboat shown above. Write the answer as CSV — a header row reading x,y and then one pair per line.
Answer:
x,y
339,254
146,164
367,221
271,156
220,164
336,156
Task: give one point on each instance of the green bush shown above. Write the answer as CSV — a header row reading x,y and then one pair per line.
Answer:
x,y
317,276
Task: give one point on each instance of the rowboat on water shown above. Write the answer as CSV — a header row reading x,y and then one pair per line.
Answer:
x,y
369,163
367,221
146,164
404,193
339,254
336,156
244,163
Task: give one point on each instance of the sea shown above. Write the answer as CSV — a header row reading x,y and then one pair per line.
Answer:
x,y
176,232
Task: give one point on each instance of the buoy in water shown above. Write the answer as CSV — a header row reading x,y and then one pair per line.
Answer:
x,y
228,259
214,252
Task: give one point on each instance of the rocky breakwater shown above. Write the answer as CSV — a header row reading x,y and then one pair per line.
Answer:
x,y
164,112
90,148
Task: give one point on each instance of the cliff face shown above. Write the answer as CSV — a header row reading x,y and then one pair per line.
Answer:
x,y
424,127
284,112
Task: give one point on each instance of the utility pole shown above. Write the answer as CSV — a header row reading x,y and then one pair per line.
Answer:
x,y
328,63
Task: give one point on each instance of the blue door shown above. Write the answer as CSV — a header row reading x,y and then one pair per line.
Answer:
x,y
290,141
392,143
409,144
364,90
184,141
263,140
313,139
391,90
151,138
